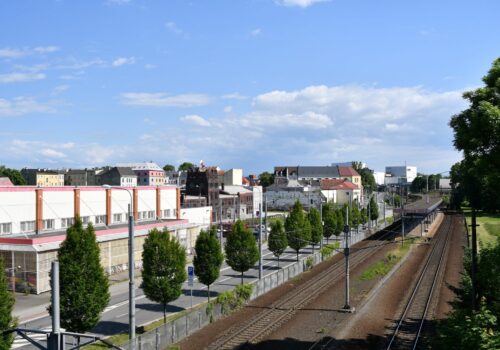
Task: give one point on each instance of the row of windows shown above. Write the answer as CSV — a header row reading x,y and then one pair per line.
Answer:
x,y
49,224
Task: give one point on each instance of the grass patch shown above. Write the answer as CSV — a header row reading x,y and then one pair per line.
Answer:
x,y
382,267
328,249
489,227
117,339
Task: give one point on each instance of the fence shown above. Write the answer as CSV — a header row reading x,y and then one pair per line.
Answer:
x,y
176,330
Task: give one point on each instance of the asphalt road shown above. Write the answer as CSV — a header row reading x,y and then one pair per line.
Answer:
x,y
115,317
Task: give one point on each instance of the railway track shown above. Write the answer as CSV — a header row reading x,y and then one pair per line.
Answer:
x,y
407,332
283,310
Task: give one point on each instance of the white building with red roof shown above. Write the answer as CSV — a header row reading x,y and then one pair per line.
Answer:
x,y
340,191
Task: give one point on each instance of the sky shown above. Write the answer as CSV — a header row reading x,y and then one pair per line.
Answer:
x,y
246,84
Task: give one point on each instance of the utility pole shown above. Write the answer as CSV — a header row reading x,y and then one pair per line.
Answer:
x,y
321,219
403,225
260,241
55,339
475,305
265,217
131,277
369,215
220,222
347,306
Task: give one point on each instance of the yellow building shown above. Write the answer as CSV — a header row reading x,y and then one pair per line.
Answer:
x,y
43,177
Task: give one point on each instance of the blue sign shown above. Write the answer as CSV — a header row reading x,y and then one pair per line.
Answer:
x,y
190,275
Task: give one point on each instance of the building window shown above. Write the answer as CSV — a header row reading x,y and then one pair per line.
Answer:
x,y
27,226
67,222
166,213
100,219
151,214
117,217
5,228
85,220
48,224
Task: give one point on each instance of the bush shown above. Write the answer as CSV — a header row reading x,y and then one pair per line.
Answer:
x,y
327,250
309,262
234,299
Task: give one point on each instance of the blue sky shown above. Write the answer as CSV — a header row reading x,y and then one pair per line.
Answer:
x,y
238,83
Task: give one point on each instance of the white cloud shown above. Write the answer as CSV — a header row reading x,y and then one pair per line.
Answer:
x,y
46,49
307,120
12,53
22,105
298,3
256,32
234,96
367,103
17,77
228,109
122,61
165,100
149,66
59,89
51,153
195,120
172,26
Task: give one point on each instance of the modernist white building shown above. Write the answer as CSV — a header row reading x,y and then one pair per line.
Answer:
x,y
400,174
34,220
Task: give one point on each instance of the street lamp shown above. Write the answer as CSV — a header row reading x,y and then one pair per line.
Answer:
x,y
131,277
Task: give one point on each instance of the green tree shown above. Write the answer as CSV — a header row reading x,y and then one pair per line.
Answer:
x,y
296,228
6,307
163,268
241,249
277,239
468,329
168,167
84,287
339,228
208,258
363,216
266,179
419,184
477,134
14,175
374,214
330,220
356,216
185,166
314,218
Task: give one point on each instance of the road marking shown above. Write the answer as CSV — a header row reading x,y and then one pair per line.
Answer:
x,y
20,342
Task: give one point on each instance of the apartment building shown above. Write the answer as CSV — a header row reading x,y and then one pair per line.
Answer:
x,y
43,177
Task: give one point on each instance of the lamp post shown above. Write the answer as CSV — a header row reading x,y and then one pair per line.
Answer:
x,y
131,264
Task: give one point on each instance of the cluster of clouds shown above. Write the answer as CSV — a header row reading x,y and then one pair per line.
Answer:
x,y
314,125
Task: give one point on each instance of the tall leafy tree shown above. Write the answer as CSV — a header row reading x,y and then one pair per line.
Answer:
x,y
6,307
296,230
356,216
168,167
14,175
84,287
363,216
209,258
340,221
330,220
374,213
185,166
277,239
476,133
163,268
314,219
418,184
266,179
241,249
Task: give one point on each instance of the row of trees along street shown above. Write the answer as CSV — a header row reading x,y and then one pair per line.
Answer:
x,y
84,286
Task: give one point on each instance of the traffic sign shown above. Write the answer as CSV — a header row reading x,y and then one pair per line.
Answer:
x,y
190,275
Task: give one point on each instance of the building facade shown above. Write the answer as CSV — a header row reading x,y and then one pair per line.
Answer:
x,y
43,177
118,176
400,175
81,177
148,173
36,219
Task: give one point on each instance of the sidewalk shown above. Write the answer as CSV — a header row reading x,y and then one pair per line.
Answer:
x,y
32,306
